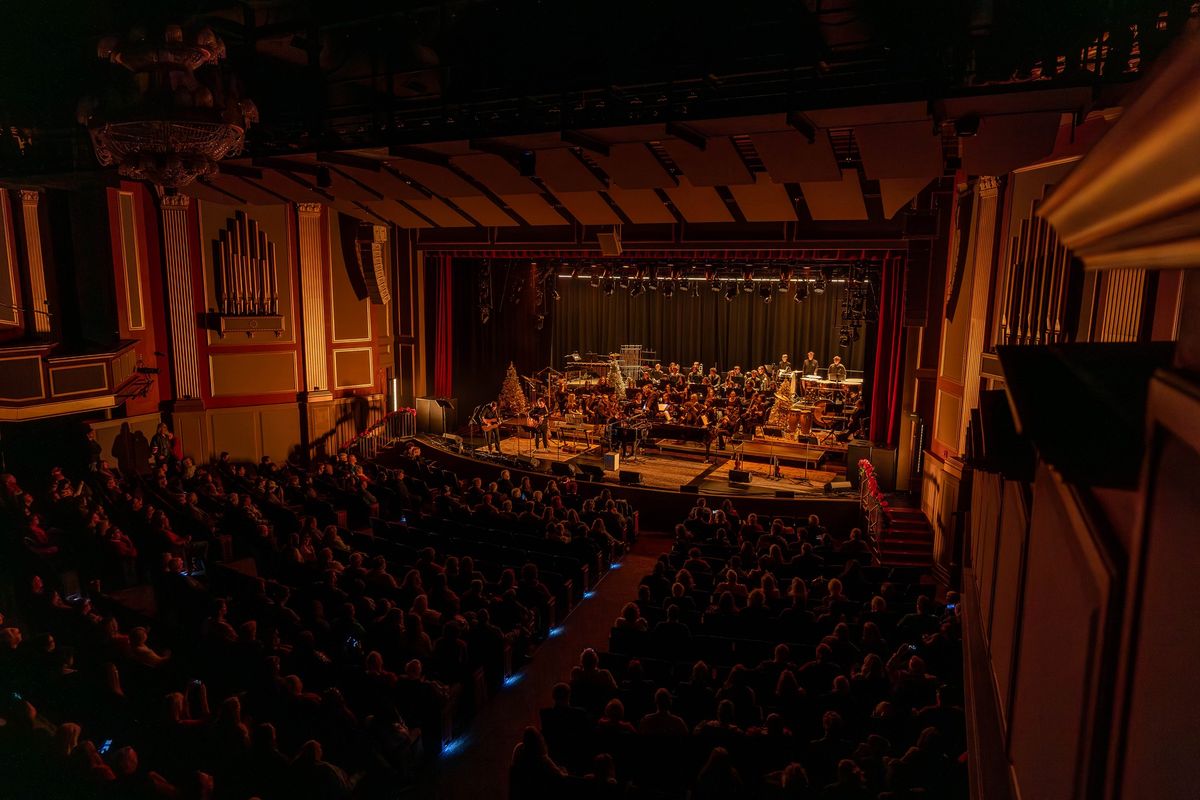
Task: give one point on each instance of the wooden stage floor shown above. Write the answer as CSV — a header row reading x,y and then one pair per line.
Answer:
x,y
675,467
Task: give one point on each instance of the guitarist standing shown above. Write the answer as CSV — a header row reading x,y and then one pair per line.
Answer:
x,y
491,426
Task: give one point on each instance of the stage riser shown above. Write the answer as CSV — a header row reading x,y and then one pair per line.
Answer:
x,y
661,509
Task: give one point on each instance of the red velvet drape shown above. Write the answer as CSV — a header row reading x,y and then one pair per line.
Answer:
x,y
887,383
443,357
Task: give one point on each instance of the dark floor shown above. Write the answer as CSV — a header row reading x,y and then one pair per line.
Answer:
x,y
477,763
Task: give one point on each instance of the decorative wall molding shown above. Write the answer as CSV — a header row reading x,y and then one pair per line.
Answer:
x,y
181,309
312,298
33,256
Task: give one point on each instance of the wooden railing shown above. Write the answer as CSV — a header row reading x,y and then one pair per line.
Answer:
x,y
395,425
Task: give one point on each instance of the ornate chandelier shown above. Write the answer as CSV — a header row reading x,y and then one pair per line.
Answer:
x,y
174,115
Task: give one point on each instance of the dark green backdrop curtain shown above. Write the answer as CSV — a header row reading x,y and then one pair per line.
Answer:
x,y
707,328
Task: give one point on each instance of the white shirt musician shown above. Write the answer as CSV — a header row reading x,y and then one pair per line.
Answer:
x,y
837,370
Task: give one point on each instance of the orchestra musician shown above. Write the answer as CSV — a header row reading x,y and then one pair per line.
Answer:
x,y
491,426
810,365
837,370
541,419
783,365
657,374
695,374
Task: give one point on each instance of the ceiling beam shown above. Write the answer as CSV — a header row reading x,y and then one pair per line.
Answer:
x,y
580,139
687,134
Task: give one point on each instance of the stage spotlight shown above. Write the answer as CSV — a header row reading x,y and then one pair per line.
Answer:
x,y
485,314
818,286
668,289
554,295
610,286
595,280
784,285
764,291
748,286
731,291
636,289
801,292
844,337
540,322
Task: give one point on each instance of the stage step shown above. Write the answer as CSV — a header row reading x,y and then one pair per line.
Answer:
x,y
907,540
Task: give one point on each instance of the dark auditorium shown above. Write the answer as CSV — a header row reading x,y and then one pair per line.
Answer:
x,y
599,400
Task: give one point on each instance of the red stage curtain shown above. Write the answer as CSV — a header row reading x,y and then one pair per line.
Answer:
x,y
887,386
443,359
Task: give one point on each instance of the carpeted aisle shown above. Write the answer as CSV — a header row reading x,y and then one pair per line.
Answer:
x,y
477,764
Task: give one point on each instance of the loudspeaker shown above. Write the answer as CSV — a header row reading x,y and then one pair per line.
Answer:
x,y
785,494
591,472
770,431
525,462
837,486
884,461
855,452
916,283
565,469
629,477
612,461
610,243
689,488
429,414
739,476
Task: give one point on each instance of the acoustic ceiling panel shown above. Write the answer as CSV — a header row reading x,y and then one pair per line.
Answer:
x,y
293,188
732,126
896,192
202,190
642,206
395,212
1008,142
835,200
788,156
718,164
246,190
588,207
699,203
495,173
484,211
378,177
868,115
633,166
562,171
441,214
434,177
764,201
900,150
534,209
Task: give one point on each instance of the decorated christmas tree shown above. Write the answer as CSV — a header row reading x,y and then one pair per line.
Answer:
x,y
512,398
616,379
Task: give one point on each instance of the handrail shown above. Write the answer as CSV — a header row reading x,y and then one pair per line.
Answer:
x,y
874,507
392,426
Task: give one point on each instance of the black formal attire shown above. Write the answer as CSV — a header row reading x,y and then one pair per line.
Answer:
x,y
810,366
837,372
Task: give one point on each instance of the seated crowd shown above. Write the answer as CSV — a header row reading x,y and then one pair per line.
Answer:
x,y
271,631
761,660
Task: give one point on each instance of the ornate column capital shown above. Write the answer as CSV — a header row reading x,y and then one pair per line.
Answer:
x,y
308,208
180,201
30,196
989,185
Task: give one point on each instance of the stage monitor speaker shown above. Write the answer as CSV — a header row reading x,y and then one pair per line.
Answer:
x,y
739,476
612,461
610,242
526,462
785,493
591,472
856,451
430,418
565,469
837,486
689,488
629,477
770,431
